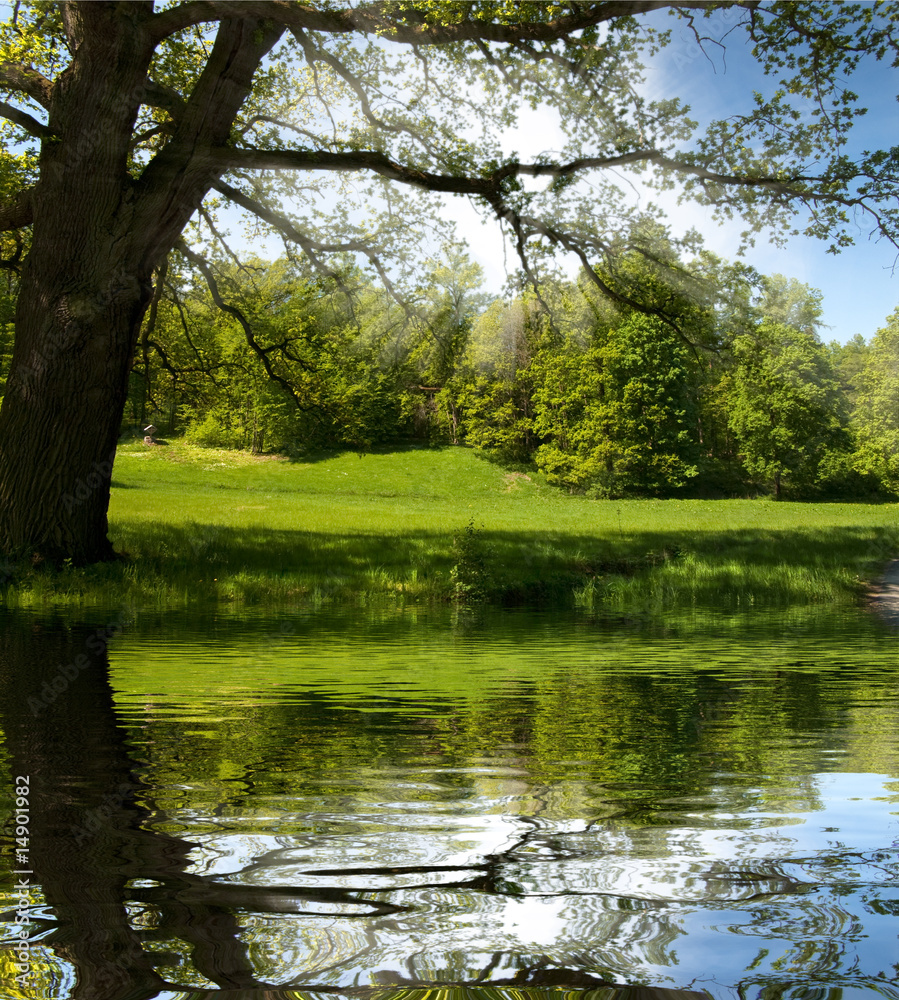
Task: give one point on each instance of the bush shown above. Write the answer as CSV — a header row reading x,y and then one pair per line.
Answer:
x,y
470,576
211,433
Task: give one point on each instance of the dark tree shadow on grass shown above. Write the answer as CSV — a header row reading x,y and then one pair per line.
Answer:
x,y
522,566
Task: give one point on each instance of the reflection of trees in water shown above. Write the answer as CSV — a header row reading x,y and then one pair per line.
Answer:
x,y
88,838
124,899
236,886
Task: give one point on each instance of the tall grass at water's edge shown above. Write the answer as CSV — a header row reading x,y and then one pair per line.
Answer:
x,y
198,525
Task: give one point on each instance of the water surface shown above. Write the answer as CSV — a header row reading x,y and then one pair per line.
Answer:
x,y
376,801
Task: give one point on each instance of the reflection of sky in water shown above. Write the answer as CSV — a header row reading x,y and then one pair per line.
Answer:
x,y
742,883
444,808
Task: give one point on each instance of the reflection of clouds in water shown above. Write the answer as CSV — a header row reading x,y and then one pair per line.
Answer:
x,y
348,859
740,878
540,921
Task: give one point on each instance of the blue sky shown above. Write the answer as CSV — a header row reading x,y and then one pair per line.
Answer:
x,y
859,285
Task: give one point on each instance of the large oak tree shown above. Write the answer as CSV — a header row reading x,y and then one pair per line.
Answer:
x,y
122,117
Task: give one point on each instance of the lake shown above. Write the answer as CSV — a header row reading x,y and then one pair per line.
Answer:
x,y
400,802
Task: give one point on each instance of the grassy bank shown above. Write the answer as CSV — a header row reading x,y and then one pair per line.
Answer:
x,y
205,525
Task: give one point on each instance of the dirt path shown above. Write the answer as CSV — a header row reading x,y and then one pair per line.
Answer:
x,y
885,595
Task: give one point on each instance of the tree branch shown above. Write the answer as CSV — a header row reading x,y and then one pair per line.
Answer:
x,y
25,79
314,54
487,184
12,263
176,179
69,24
256,347
371,19
194,12
290,234
25,121
282,223
281,124
158,95
800,188
204,369
312,248
207,218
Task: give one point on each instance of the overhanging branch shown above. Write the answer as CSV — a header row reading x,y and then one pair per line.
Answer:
x,y
282,223
26,80
312,247
489,183
374,18
255,346
808,190
24,120
381,164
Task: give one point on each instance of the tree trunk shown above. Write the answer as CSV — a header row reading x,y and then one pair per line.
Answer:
x,y
98,233
83,292
62,413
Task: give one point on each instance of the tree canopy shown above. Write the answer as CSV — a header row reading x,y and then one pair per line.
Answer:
x,y
125,121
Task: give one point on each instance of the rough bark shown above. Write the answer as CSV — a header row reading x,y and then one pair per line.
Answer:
x,y
82,296
98,233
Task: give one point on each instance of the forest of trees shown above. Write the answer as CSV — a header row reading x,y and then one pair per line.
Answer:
x,y
346,129
738,396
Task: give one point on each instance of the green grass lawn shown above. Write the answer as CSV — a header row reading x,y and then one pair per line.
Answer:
x,y
200,524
